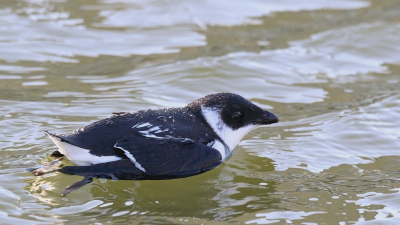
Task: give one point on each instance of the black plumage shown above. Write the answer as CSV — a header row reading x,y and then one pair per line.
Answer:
x,y
159,144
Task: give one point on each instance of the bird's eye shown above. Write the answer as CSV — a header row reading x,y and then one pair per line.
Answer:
x,y
236,116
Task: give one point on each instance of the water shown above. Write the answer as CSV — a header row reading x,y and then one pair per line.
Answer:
x,y
329,69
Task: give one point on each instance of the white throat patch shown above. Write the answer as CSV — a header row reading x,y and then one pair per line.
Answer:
x,y
229,136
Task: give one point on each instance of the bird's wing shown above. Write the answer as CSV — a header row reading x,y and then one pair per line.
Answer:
x,y
168,156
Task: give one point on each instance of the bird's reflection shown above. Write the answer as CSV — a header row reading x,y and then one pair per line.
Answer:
x,y
226,192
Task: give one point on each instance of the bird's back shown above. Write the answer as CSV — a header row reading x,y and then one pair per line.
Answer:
x,y
101,136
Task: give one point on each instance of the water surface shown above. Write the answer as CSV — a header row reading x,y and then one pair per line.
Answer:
x,y
329,69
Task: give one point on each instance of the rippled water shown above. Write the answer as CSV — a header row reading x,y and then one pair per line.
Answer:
x,y
329,69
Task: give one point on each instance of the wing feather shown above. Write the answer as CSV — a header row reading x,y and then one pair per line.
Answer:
x,y
169,156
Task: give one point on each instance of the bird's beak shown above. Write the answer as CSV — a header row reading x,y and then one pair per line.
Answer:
x,y
267,118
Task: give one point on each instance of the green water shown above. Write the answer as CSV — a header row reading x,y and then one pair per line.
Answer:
x,y
330,70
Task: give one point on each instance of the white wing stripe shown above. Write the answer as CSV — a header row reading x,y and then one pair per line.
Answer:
x,y
130,156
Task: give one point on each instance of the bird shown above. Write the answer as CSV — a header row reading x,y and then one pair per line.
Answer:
x,y
158,144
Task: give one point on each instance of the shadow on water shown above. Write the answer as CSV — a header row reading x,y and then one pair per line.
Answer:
x,y
343,192
220,194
